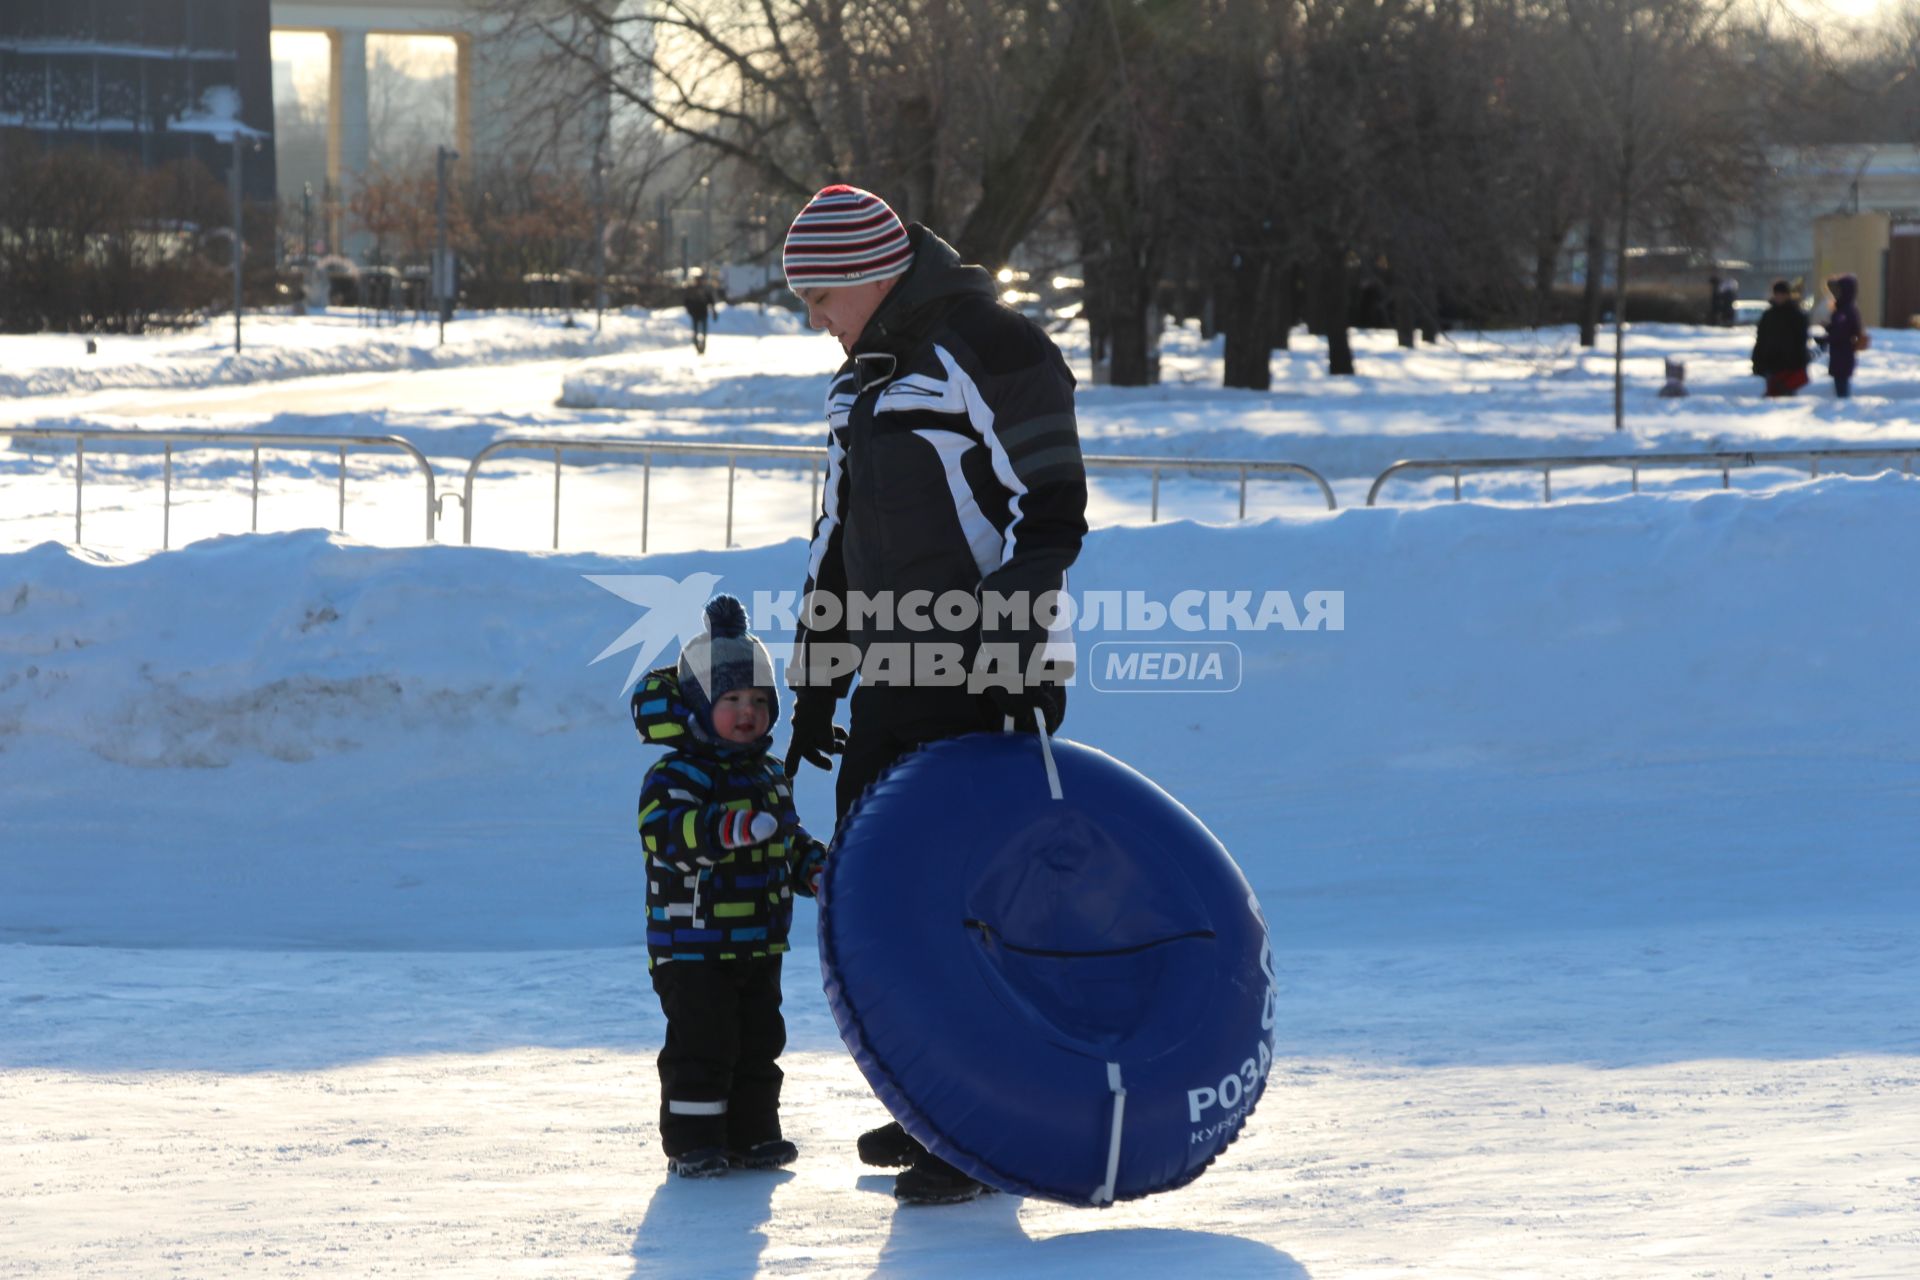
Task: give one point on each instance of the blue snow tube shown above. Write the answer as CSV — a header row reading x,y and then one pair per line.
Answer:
x,y
1069,998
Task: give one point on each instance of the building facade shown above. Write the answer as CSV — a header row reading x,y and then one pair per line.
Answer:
x,y
155,80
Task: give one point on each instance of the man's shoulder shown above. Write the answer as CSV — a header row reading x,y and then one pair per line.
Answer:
x,y
998,339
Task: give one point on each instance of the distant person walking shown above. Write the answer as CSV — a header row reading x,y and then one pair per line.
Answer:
x,y
1846,334
699,300
1780,343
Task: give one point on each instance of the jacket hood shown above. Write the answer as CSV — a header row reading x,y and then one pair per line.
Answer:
x,y
1845,288
936,280
663,718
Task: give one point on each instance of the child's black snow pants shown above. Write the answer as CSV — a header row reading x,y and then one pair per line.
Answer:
x,y
719,1083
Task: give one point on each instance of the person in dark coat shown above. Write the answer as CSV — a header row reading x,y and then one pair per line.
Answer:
x,y
699,300
1780,343
1846,334
954,475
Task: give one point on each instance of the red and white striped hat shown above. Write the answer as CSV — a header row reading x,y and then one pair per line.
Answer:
x,y
845,236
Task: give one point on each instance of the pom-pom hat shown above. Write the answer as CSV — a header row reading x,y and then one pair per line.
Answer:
x,y
724,658
845,236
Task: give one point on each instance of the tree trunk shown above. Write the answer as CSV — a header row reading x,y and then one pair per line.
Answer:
x,y
1015,185
1246,316
1097,303
1546,257
917,137
1590,295
1131,292
1285,305
1333,303
1620,299
1403,321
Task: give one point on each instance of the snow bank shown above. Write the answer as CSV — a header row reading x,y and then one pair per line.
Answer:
x,y
1589,714
277,347
1472,395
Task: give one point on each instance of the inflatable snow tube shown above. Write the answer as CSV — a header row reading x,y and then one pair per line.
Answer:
x,y
1069,998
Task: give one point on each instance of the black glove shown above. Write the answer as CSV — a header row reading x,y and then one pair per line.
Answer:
x,y
815,736
1050,699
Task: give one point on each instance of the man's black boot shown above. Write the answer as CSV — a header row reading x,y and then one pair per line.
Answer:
x,y
889,1146
934,1181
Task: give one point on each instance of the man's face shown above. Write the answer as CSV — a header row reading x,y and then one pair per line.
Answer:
x,y
1781,297
843,310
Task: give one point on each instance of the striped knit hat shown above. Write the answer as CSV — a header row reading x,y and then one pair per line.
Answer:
x,y
845,236
723,658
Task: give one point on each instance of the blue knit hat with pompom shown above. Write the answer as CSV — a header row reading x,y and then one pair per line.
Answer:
x,y
725,658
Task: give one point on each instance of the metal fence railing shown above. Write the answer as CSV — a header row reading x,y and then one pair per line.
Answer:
x,y
1725,462
816,457
120,440
1243,467
645,449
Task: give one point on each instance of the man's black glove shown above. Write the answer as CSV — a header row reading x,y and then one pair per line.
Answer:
x,y
1050,699
815,736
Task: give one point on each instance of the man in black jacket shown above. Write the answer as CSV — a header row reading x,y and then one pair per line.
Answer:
x,y
1780,343
954,504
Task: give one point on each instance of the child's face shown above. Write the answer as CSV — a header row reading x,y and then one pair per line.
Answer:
x,y
743,715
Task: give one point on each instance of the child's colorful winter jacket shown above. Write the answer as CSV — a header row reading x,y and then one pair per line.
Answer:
x,y
725,848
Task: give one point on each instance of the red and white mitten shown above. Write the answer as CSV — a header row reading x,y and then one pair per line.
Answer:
x,y
744,828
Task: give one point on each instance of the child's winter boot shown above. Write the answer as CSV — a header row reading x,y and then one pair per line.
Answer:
x,y
774,1154
702,1162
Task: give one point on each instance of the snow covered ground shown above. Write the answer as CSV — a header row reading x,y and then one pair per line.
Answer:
x,y
1471,396
1586,843
275,347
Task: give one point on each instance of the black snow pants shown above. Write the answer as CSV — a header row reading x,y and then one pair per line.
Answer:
x,y
719,1082
888,721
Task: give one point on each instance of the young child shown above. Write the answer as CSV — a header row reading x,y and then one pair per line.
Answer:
x,y
725,853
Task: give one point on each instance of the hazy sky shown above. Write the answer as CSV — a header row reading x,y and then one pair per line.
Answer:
x,y
1857,10
306,54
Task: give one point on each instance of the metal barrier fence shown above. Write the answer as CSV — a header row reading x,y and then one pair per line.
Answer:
x,y
817,456
1724,461
198,439
646,449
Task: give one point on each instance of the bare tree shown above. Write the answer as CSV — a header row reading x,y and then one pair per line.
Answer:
x,y
1662,151
964,113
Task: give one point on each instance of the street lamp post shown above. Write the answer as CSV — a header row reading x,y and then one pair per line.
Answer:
x,y
706,221
304,259
599,242
238,251
442,260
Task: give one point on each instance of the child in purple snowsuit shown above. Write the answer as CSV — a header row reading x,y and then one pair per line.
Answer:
x,y
1846,335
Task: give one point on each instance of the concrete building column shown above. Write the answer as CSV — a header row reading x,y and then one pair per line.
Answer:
x,y
463,103
349,139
